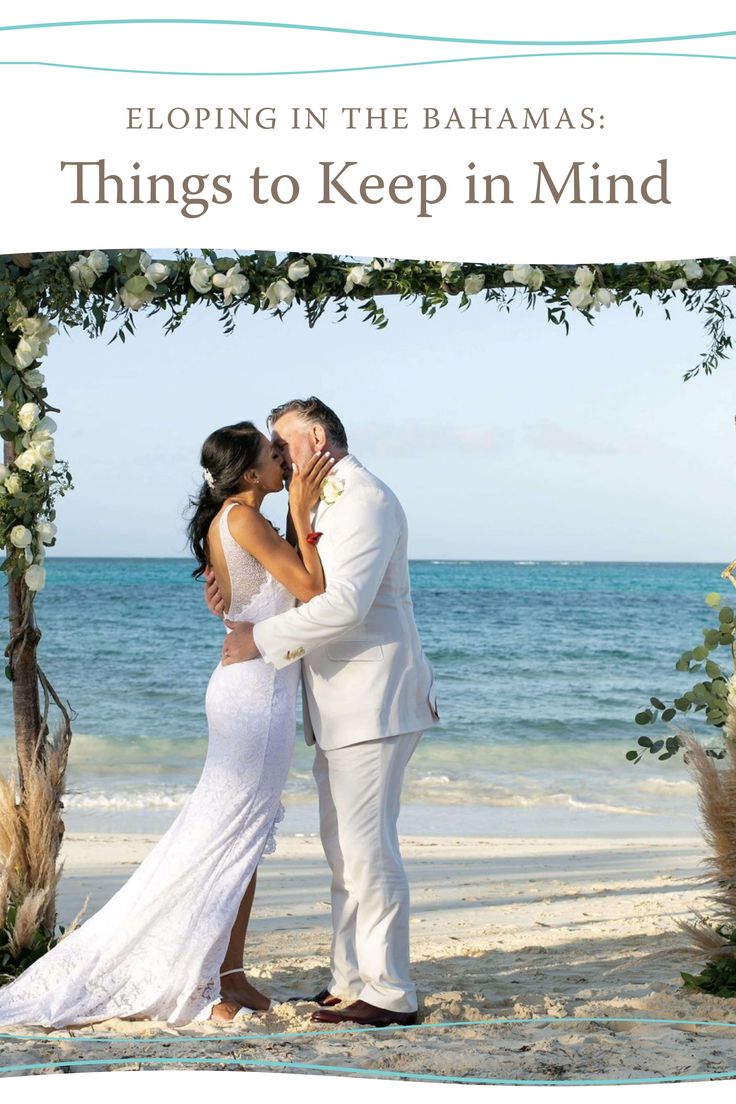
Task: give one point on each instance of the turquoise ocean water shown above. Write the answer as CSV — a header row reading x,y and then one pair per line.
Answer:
x,y
540,666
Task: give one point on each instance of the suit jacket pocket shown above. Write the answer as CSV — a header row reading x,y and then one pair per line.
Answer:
x,y
354,649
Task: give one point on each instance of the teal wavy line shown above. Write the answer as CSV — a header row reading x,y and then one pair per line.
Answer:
x,y
388,1074
364,33
366,68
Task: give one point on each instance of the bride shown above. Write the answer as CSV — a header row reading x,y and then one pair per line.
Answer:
x,y
169,944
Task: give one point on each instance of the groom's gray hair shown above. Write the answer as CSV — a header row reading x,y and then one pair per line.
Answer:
x,y
314,412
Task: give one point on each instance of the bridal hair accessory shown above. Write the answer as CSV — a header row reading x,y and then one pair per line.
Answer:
x,y
208,478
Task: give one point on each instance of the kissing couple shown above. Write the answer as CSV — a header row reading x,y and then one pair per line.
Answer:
x,y
169,945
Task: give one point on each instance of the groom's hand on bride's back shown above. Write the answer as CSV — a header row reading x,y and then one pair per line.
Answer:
x,y
212,596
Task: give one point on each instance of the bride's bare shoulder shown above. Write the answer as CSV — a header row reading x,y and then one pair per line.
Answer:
x,y
249,527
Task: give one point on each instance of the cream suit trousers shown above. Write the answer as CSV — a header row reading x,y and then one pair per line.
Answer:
x,y
359,789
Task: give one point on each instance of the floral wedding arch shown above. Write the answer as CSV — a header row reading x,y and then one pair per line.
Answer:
x,y
98,289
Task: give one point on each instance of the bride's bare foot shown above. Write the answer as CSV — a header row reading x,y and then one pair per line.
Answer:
x,y
237,988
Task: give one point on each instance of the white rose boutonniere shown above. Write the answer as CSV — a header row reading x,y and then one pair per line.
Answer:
x,y
331,489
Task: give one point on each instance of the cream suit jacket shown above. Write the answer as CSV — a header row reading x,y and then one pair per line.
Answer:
x,y
364,673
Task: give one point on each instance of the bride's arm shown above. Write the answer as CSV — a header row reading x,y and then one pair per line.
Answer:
x,y
298,569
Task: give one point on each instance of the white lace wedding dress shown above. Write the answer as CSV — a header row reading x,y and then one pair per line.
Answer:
x,y
154,950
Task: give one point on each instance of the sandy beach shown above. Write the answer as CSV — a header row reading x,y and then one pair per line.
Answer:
x,y
503,929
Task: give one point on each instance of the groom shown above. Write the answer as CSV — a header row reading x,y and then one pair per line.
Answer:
x,y
368,695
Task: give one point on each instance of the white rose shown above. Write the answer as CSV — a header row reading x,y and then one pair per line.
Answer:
x,y
98,262
35,335
474,283
44,450
279,292
358,276
663,266
82,274
13,483
231,283
298,270
46,531
156,272
35,577
692,270
200,276
579,297
679,285
331,489
517,274
34,378
26,351
132,296
584,277
384,266
535,279
43,431
29,460
28,415
20,536
39,328
449,269
603,297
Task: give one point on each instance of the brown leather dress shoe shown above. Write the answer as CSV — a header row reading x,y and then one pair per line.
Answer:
x,y
368,1015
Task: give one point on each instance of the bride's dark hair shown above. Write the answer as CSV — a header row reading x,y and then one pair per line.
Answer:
x,y
226,455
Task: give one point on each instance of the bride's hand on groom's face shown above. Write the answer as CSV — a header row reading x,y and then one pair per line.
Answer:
x,y
306,482
238,645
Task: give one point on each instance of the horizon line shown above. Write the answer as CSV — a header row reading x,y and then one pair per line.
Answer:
x,y
520,561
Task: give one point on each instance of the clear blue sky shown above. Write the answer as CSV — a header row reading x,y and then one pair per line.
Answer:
x,y
503,438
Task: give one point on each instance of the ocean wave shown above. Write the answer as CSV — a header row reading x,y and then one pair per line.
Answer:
x,y
668,786
128,800
521,793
